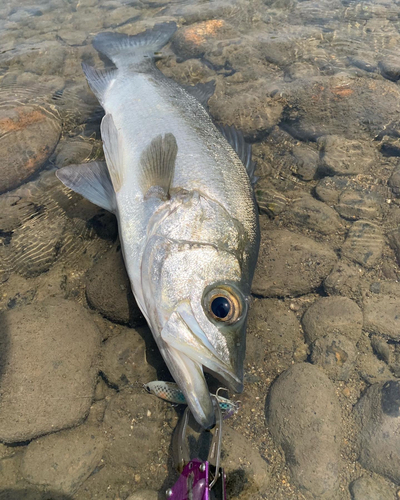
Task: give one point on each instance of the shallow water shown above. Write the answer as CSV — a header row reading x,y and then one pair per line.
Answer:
x,y
314,86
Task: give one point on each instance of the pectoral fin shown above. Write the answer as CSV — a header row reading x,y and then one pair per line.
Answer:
x,y
92,181
158,166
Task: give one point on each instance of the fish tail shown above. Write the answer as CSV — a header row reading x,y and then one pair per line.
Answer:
x,y
125,50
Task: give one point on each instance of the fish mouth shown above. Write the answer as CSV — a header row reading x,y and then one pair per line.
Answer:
x,y
189,352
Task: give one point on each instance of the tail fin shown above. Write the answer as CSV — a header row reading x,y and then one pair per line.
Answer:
x,y
124,49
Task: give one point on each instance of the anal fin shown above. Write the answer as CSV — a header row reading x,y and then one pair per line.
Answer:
x,y
92,181
157,165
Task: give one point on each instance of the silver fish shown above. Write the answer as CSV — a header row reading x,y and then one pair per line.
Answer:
x,y
186,213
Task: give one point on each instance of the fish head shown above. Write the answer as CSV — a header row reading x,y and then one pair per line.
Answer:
x,y
196,298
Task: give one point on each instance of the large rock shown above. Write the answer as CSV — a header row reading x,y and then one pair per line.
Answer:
x,y
28,135
364,243
382,315
333,315
48,366
368,488
62,461
124,359
378,413
109,291
304,419
290,264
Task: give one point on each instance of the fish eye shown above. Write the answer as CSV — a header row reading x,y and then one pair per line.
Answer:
x,y
222,305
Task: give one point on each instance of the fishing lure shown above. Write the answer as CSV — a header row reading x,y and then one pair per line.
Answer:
x,y
169,391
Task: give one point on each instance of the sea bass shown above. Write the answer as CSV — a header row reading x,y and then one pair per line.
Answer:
x,y
186,213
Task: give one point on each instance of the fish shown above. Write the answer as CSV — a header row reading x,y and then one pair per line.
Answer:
x,y
168,391
182,192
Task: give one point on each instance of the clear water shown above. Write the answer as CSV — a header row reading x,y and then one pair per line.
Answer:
x,y
288,73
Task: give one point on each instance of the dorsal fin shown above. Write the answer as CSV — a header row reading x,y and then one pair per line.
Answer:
x,y
158,166
112,151
92,181
202,91
242,148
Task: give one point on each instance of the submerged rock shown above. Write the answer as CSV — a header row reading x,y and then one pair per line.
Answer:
x,y
378,414
368,488
364,243
382,315
304,419
28,135
333,315
62,461
290,264
48,366
108,289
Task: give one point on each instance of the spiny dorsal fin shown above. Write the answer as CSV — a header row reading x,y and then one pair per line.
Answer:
x,y
242,148
158,165
202,91
92,181
112,151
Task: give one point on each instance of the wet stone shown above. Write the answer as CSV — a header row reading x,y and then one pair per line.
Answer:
x,y
381,348
360,204
336,354
382,316
124,360
390,68
314,215
394,241
133,420
364,243
390,146
394,182
345,279
270,201
48,384
108,289
303,416
29,135
341,156
305,162
329,189
273,328
333,315
247,472
368,488
371,369
290,264
62,461
378,414
144,495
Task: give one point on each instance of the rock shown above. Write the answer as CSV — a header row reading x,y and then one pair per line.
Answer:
x,y
195,39
144,495
381,348
47,384
109,291
305,162
368,488
269,200
328,189
390,67
9,471
290,264
370,368
394,241
304,419
73,151
314,215
360,204
364,243
336,354
248,107
394,182
333,315
309,104
382,316
64,460
273,328
341,156
345,279
28,136
35,245
378,414
133,421
124,360
247,473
